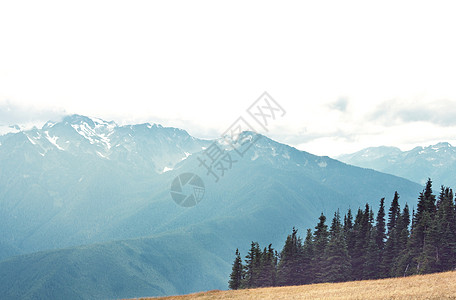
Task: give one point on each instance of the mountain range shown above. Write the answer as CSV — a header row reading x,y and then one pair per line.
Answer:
x,y
86,210
437,162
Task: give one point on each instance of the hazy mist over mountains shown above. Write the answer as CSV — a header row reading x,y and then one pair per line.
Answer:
x,y
435,161
143,143
85,181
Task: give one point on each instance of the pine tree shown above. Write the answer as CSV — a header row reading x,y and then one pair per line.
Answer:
x,y
306,259
429,203
394,213
288,272
236,273
422,240
402,261
267,274
373,265
356,252
446,228
348,221
358,249
361,232
391,248
425,209
403,228
427,260
320,242
336,263
380,235
349,238
252,266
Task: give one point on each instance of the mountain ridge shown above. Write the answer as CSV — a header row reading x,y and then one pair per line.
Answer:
x,y
418,164
84,198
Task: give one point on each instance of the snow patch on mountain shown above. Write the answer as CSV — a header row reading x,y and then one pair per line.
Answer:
x,y
151,146
187,154
102,155
255,156
273,151
98,134
322,164
9,129
53,140
166,169
418,164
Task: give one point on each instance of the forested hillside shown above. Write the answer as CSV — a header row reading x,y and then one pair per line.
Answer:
x,y
364,246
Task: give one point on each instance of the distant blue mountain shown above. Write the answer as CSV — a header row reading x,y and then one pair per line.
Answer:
x,y
437,162
84,181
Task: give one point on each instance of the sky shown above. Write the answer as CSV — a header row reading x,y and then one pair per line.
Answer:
x,y
349,74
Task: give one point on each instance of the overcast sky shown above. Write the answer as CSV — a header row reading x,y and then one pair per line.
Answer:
x,y
350,74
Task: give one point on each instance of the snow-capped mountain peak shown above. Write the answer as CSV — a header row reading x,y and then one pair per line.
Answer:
x,y
436,161
150,145
5,129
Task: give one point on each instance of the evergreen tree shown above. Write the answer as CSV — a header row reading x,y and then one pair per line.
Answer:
x,y
380,234
394,213
446,228
372,263
336,263
360,249
391,246
428,205
267,276
350,238
423,237
348,221
402,261
288,271
252,266
403,228
361,233
320,242
236,273
425,210
373,267
306,259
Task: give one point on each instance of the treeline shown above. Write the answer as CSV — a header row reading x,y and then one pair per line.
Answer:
x,y
361,248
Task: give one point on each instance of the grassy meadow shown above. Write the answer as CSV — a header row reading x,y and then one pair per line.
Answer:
x,y
432,286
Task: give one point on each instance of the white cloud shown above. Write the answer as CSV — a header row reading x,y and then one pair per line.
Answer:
x,y
199,64
14,113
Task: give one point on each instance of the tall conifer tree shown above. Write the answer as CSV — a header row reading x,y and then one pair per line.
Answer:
x,y
320,242
336,263
236,273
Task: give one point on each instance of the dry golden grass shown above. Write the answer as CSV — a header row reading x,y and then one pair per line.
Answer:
x,y
433,286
